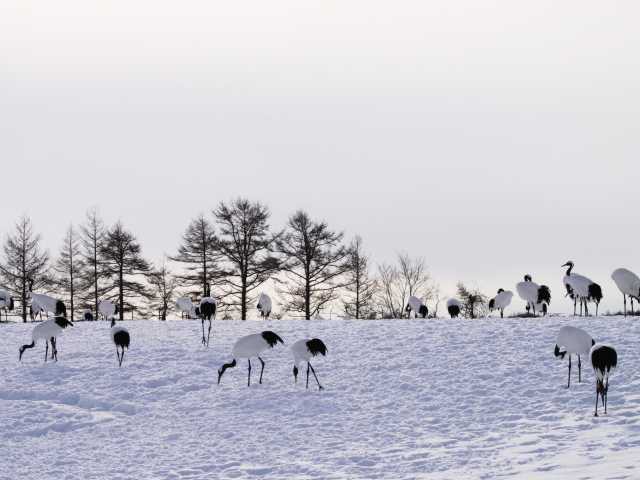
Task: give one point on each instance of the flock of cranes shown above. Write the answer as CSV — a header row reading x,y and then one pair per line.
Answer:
x,y
570,340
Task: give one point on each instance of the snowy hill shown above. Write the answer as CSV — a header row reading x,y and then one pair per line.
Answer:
x,y
403,399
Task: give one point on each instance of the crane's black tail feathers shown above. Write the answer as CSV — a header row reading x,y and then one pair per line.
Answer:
x,y
271,338
317,347
544,294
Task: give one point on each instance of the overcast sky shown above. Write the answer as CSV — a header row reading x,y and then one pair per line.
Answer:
x,y
493,138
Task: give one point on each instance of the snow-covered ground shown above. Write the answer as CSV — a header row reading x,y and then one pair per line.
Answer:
x,y
403,399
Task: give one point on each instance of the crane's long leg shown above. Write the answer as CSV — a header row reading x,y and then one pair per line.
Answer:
x,y
597,395
320,387
575,301
46,350
579,370
308,365
624,296
209,332
586,308
204,342
502,313
249,373
262,369
118,355
569,378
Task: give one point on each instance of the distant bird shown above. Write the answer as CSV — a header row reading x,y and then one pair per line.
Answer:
x,y
264,305
303,350
88,316
48,331
454,307
501,301
604,360
248,347
6,304
581,288
207,312
47,304
186,307
121,339
108,309
415,304
573,341
532,293
629,284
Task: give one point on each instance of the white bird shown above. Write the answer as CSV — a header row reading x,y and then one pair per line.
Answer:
x,y
121,338
532,293
48,331
264,305
454,307
604,360
581,288
629,284
186,307
47,304
419,308
501,301
573,341
6,304
248,347
107,309
303,351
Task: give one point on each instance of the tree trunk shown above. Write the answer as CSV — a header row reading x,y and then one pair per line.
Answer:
x,y
121,293
307,301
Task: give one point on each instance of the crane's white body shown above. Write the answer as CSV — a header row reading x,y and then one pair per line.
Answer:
x,y
107,309
249,346
5,298
42,302
578,283
574,340
415,303
503,299
264,304
627,282
185,305
602,375
301,352
46,330
528,291
208,300
116,329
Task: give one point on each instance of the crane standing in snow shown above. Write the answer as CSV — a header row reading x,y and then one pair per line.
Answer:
x,y
604,359
581,288
573,341
415,304
6,304
532,293
248,347
207,311
303,351
264,305
501,301
454,307
629,284
121,338
48,331
107,309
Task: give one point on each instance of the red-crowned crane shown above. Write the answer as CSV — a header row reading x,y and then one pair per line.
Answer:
x,y
581,288
248,347
573,341
532,293
264,305
604,360
501,301
629,284
48,331
121,338
454,307
303,351
419,309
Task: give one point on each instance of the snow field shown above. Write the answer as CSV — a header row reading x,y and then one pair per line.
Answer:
x,y
403,399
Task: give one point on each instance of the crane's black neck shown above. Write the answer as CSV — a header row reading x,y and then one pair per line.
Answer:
x,y
569,269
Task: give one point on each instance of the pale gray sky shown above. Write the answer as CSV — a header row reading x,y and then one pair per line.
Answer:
x,y
493,138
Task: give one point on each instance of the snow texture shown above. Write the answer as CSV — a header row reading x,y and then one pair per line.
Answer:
x,y
403,399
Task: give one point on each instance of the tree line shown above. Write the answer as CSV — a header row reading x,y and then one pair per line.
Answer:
x,y
233,250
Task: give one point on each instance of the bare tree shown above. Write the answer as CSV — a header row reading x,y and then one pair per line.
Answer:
x,y
398,282
121,255
92,235
24,262
69,267
164,286
471,300
247,246
200,256
360,288
314,260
